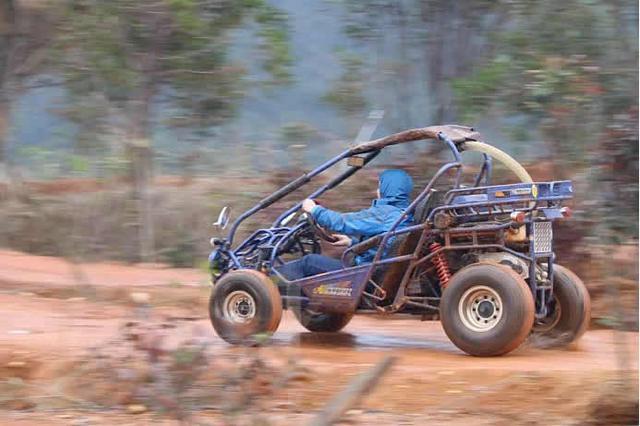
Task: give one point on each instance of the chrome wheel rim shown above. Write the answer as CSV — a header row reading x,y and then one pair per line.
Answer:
x,y
239,307
480,308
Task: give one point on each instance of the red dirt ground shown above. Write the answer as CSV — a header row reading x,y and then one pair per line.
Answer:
x,y
49,321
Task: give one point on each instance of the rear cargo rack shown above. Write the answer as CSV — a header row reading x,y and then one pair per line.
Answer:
x,y
484,201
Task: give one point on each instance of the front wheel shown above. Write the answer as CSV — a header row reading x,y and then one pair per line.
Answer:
x,y
487,309
244,304
571,310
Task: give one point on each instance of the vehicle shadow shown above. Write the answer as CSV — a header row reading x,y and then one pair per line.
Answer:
x,y
368,341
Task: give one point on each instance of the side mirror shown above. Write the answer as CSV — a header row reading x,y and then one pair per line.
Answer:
x,y
223,218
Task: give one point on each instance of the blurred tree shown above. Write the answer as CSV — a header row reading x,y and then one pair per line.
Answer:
x,y
297,133
348,91
294,139
570,70
25,31
121,58
275,43
434,40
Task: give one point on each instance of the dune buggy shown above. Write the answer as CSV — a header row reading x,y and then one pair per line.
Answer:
x,y
479,257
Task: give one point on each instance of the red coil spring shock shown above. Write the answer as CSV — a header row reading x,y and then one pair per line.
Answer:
x,y
441,264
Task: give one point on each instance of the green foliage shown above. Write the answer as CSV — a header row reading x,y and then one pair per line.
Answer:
x,y
365,19
553,62
120,57
476,94
569,69
45,163
180,255
78,164
296,133
347,93
275,36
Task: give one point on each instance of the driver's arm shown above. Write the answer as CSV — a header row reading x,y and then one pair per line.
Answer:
x,y
363,223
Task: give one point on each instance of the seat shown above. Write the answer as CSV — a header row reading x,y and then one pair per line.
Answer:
x,y
389,276
405,244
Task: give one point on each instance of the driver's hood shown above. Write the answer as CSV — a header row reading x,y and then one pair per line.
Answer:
x,y
395,188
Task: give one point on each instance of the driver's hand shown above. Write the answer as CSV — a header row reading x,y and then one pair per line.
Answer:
x,y
343,240
308,205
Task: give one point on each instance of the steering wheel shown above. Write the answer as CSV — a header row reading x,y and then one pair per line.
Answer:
x,y
322,233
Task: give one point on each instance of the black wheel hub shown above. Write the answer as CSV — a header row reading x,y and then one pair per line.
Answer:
x,y
244,308
485,309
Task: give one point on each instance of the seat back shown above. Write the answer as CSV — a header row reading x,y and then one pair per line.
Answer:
x,y
392,275
406,244
433,200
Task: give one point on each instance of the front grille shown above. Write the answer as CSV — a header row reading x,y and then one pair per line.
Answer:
x,y
542,237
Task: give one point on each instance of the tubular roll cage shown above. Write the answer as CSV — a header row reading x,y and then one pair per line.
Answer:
x,y
454,137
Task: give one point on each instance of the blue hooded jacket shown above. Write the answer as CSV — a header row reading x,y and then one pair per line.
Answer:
x,y
395,193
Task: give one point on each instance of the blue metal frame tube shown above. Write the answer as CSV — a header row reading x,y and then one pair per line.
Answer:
x,y
274,252
452,146
485,171
330,185
284,191
412,207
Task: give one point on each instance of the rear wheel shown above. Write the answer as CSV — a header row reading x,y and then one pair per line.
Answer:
x,y
571,310
243,305
321,321
487,309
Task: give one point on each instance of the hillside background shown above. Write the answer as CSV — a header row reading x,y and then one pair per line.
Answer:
x,y
126,125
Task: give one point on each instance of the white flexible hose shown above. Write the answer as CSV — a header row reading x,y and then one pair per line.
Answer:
x,y
502,157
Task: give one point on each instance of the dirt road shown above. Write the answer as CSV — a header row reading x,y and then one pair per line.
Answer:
x,y
49,322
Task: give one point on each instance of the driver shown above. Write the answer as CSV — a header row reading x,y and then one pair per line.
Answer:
x,y
394,192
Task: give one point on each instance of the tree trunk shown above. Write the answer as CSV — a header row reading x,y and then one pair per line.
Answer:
x,y
4,136
142,174
143,152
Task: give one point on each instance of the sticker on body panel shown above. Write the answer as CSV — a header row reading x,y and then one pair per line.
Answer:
x,y
517,192
339,289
